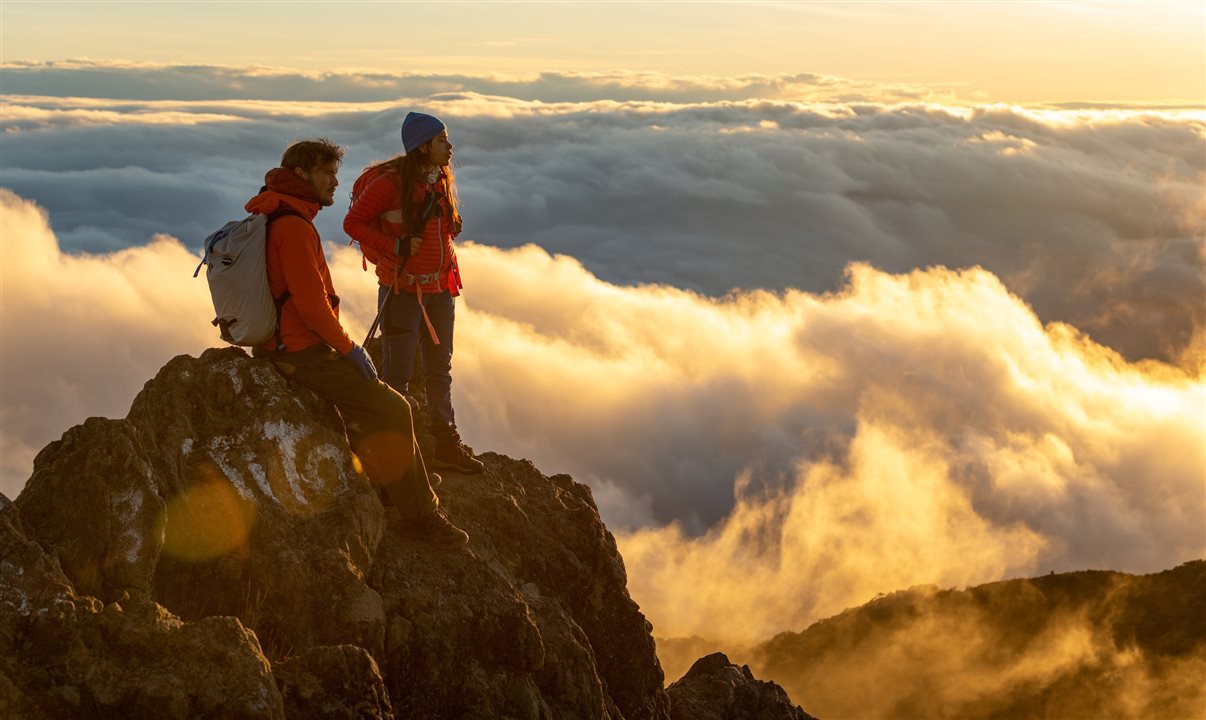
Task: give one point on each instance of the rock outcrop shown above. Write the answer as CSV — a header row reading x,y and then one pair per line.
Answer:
x,y
64,655
219,553
716,689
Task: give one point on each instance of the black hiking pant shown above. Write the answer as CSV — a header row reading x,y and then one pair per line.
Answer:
x,y
378,421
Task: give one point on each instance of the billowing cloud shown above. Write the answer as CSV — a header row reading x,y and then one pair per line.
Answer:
x,y
1095,218
767,458
917,428
81,333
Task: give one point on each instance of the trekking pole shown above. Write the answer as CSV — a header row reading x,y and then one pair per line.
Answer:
x,y
423,218
389,294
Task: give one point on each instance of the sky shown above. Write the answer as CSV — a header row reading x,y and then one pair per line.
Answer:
x,y
841,298
1003,51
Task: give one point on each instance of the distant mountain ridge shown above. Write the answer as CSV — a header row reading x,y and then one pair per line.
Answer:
x,y
1091,644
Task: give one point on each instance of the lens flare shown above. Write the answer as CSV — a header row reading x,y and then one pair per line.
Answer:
x,y
207,520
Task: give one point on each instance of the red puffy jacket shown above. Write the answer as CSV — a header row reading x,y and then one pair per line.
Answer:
x,y
375,221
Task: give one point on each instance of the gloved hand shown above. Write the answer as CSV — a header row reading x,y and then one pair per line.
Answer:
x,y
360,358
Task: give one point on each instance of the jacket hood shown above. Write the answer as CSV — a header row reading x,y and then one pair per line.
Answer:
x,y
284,187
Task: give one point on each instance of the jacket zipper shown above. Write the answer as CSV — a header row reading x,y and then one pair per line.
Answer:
x,y
439,235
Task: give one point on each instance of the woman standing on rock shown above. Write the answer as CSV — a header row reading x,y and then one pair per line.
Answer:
x,y
404,214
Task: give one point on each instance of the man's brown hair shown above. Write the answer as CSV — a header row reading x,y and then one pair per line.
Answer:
x,y
309,154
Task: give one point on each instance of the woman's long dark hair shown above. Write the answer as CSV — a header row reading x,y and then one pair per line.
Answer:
x,y
411,169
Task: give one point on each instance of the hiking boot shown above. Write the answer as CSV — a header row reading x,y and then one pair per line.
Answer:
x,y
436,529
452,454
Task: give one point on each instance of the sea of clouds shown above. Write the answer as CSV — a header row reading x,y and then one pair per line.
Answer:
x,y
829,348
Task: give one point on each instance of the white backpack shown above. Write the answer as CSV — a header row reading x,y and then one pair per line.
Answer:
x,y
235,260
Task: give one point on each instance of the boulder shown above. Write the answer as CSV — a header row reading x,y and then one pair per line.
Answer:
x,y
333,683
267,517
93,499
64,655
534,617
716,689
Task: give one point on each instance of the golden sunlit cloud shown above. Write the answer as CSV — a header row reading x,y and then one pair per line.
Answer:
x,y
82,333
941,434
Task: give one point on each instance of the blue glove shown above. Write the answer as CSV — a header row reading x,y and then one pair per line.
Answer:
x,y
362,361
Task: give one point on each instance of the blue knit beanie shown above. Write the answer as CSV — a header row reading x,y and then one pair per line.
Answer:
x,y
418,128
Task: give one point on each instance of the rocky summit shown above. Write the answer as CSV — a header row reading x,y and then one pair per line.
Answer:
x,y
219,553
716,689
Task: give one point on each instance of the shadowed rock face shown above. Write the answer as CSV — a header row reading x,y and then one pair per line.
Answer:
x,y
64,655
250,570
109,535
716,689
333,682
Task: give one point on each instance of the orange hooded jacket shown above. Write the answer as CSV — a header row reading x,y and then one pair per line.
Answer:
x,y
296,263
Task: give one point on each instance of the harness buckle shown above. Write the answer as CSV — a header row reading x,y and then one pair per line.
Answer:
x,y
429,279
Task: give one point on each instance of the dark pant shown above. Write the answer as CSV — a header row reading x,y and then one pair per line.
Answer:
x,y
402,330
378,421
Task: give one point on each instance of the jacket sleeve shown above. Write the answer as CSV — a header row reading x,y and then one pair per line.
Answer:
x,y
308,290
363,221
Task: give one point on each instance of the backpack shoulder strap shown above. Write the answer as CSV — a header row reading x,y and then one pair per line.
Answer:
x,y
283,298
284,210
431,201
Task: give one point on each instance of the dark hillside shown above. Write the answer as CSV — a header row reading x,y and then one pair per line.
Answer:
x,y
1074,645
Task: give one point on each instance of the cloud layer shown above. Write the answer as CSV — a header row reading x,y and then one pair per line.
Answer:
x,y
909,428
144,81
1094,218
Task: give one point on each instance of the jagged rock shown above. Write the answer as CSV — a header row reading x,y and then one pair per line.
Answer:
x,y
64,655
92,498
30,579
333,683
716,689
265,509
270,532
678,654
535,618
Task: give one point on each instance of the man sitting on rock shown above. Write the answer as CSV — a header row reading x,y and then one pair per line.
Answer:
x,y
318,354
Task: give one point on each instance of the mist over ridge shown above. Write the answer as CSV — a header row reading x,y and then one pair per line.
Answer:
x,y
1080,645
